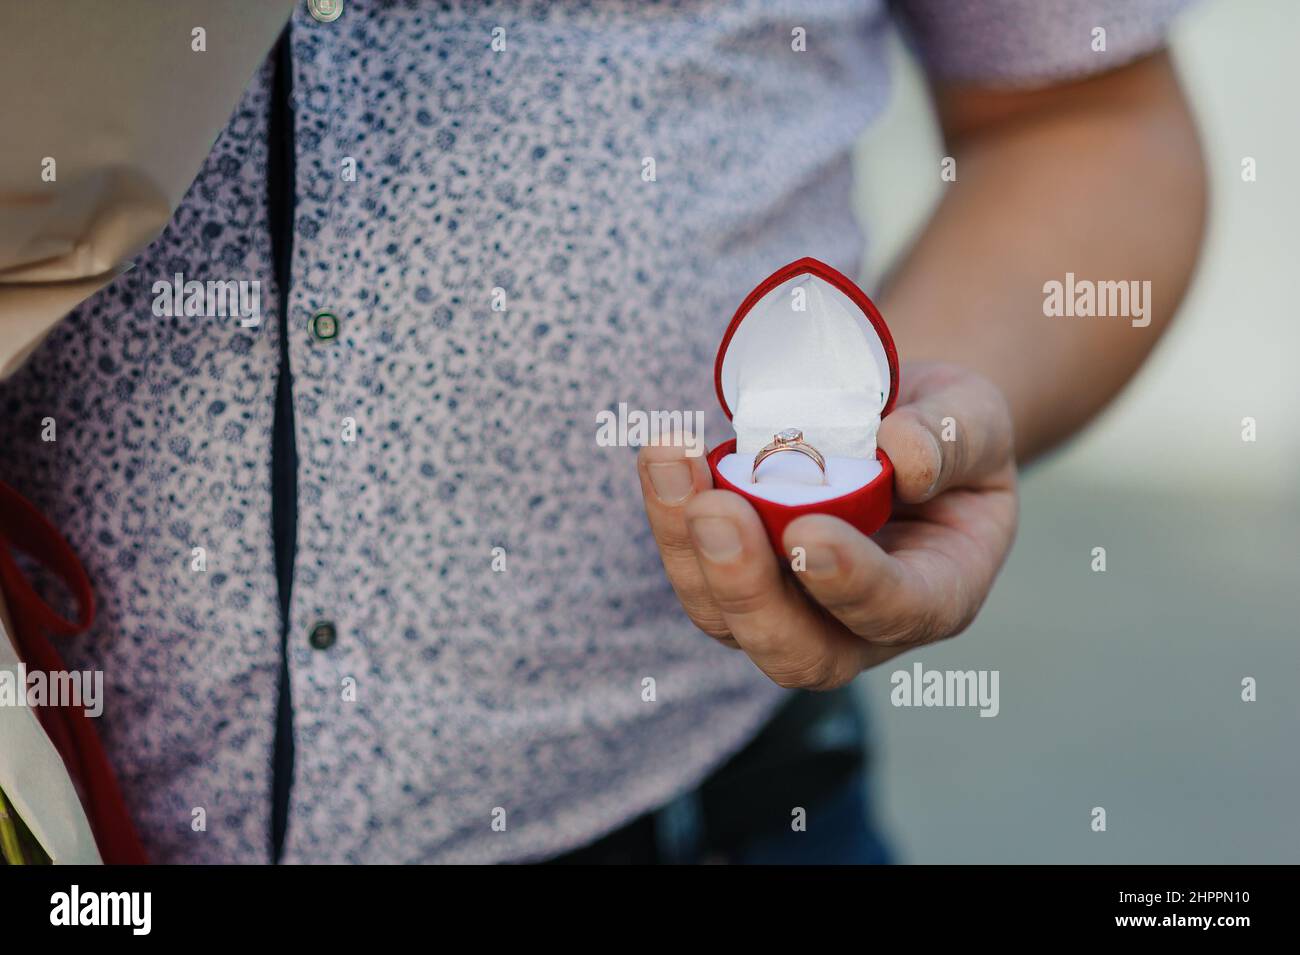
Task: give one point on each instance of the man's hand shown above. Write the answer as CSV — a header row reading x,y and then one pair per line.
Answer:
x,y
860,600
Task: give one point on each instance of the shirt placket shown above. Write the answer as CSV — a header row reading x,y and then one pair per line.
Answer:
x,y
323,322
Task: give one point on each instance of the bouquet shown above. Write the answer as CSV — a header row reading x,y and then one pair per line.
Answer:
x,y
17,844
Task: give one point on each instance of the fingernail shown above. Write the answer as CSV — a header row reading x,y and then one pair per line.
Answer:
x,y
717,538
821,561
671,481
938,467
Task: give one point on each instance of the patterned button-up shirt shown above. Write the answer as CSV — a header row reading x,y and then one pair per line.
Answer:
x,y
520,214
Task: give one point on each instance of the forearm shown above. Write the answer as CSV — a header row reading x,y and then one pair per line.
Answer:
x,y
1103,180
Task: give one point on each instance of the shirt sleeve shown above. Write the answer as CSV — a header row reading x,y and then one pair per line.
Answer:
x,y
1026,43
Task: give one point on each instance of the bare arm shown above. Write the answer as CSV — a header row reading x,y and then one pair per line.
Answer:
x,y
1102,178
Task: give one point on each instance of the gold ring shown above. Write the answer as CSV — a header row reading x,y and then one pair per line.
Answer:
x,y
791,439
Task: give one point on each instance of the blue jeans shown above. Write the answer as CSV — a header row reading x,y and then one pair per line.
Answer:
x,y
796,795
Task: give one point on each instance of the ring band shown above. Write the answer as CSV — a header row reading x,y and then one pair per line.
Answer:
x,y
791,439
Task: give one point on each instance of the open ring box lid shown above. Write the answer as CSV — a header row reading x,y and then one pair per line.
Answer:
x,y
808,350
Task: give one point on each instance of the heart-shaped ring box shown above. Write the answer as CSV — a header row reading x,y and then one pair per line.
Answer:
x,y
808,350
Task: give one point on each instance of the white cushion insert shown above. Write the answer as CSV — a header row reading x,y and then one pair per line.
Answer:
x,y
839,423
820,368
790,478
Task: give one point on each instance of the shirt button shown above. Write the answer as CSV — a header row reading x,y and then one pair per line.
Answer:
x,y
325,326
325,11
323,635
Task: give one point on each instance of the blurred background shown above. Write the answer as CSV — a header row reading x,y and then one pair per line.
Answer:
x,y
1123,689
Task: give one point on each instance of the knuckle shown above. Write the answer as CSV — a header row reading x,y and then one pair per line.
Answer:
x,y
858,618
891,639
958,622
898,629
857,609
742,602
812,673
864,605
674,543
712,625
703,613
915,630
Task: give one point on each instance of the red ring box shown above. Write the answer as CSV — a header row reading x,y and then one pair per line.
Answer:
x,y
867,506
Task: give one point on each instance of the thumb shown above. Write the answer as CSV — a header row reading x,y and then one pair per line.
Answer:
x,y
955,430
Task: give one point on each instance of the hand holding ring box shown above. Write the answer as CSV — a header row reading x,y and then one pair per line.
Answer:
x,y
808,353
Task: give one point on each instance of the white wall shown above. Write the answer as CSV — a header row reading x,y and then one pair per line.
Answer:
x,y
1123,689
1236,345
